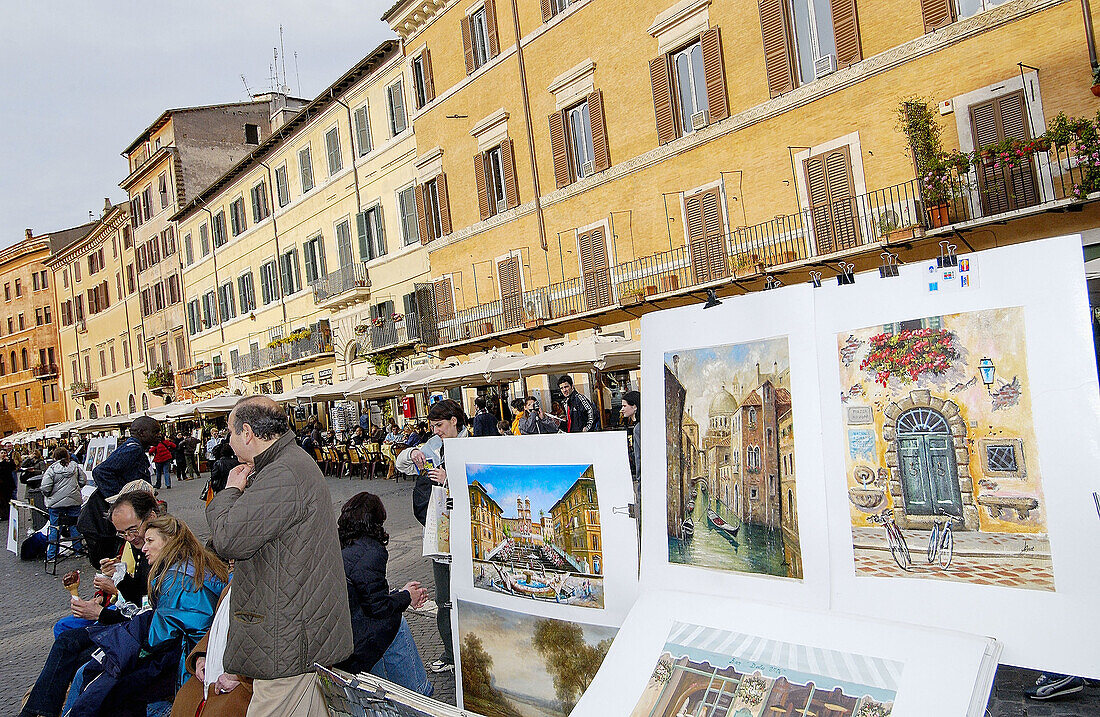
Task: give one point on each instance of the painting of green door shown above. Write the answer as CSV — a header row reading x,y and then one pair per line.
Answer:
x,y
926,459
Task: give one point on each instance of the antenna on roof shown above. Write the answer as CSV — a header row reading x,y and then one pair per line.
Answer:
x,y
282,53
246,88
296,75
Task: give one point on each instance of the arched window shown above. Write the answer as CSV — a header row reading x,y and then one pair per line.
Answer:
x,y
790,505
132,404
23,355
118,408
92,413
78,414
767,393
14,364
145,402
107,409
752,417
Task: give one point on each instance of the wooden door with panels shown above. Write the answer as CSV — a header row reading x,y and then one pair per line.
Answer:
x,y
830,187
595,268
1000,188
511,291
706,236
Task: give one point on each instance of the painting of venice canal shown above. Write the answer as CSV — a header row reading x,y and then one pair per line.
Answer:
x,y
732,500
535,532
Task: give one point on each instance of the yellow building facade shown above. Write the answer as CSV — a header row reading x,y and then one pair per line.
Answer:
x,y
100,323
486,521
605,159
318,271
576,521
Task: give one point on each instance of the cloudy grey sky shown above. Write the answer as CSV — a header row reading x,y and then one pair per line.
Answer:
x,y
80,80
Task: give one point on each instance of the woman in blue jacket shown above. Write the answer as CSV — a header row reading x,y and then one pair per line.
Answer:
x,y
185,581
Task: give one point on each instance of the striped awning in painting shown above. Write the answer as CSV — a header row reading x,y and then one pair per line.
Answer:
x,y
784,656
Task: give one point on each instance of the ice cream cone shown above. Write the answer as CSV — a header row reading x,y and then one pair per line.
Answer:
x,y
73,589
71,581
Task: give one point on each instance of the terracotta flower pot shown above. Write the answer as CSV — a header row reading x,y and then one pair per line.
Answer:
x,y
938,216
1096,90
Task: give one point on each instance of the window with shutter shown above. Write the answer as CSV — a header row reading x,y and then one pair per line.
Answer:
x,y
426,313
422,215
846,32
444,204
559,150
342,230
1002,188
601,151
508,175
706,235
491,29
511,292
444,299
479,180
468,45
595,272
778,57
661,82
937,13
831,191
714,76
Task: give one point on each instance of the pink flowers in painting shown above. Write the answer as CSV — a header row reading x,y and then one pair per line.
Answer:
x,y
908,355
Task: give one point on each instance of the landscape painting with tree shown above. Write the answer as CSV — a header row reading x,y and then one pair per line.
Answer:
x,y
732,498
519,665
703,671
535,532
942,464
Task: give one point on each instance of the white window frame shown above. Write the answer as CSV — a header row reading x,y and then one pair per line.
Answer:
x,y
270,282
307,150
315,247
361,119
479,36
583,155
375,241
415,224
251,303
494,179
295,276
419,80
396,89
227,305
266,204
282,189
696,84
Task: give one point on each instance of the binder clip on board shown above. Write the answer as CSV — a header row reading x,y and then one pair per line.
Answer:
x,y
947,255
889,266
847,274
815,278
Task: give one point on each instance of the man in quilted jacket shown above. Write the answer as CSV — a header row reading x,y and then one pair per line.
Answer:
x,y
290,602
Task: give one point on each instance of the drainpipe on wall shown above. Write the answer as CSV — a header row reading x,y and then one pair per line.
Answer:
x,y
351,141
530,129
1089,41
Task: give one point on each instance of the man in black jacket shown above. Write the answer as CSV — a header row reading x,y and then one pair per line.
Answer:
x,y
483,423
580,415
130,514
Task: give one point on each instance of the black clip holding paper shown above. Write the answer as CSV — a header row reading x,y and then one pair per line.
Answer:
x,y
815,279
847,274
712,299
771,282
889,266
947,255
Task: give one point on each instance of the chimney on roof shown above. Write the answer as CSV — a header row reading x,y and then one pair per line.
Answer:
x,y
106,205
758,373
30,234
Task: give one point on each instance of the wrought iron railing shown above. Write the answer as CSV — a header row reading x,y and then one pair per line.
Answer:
x,y
344,279
387,333
204,374
45,370
287,350
84,389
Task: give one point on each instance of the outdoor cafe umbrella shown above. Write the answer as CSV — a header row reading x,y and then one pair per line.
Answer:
x,y
326,392
390,386
218,404
593,352
475,371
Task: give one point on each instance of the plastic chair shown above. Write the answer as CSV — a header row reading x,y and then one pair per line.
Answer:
x,y
65,540
355,461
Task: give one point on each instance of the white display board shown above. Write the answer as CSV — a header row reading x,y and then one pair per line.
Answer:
x,y
993,425
753,656
731,412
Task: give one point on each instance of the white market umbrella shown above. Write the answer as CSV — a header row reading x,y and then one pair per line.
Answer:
x,y
216,405
476,370
390,386
576,356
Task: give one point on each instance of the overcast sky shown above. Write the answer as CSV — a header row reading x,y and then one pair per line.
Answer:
x,y
80,81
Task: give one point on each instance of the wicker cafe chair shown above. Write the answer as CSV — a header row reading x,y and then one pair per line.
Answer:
x,y
355,461
319,456
374,458
343,462
332,458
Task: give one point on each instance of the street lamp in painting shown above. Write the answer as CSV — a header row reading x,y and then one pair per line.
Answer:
x,y
987,370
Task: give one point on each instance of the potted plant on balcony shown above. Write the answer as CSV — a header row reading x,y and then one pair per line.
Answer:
x,y
747,265
1096,81
158,379
630,297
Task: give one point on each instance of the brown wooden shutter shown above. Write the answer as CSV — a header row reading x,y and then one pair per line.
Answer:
x,y
937,13
444,298
714,76
511,293
479,179
594,269
601,153
706,236
508,164
661,80
467,45
778,59
422,215
444,204
559,149
491,28
1002,189
831,191
547,10
429,80
846,32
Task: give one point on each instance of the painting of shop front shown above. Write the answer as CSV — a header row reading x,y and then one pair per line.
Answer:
x,y
703,671
535,532
732,502
942,465
518,665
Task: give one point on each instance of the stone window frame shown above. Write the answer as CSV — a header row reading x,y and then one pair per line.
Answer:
x,y
1018,450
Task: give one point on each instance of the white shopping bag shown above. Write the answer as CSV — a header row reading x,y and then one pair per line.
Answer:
x,y
437,524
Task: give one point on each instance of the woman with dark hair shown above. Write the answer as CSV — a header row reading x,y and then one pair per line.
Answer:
x,y
375,610
225,460
61,484
631,412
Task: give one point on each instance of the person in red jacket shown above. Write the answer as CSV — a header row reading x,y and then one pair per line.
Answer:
x,y
163,455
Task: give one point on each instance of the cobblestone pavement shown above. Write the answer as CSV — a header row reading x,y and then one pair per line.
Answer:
x,y
33,601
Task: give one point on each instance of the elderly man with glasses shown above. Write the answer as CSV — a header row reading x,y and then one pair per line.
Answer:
x,y
129,514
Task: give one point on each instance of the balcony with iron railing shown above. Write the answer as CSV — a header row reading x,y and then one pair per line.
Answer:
x,y
84,389
205,375
346,286
385,333
865,223
45,371
296,347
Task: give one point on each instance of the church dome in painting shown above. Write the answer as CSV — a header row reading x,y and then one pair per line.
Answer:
x,y
724,402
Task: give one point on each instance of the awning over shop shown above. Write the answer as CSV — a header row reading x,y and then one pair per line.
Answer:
x,y
476,371
389,386
217,405
337,391
603,353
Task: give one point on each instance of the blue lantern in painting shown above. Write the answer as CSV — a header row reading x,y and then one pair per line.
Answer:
x,y
987,370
